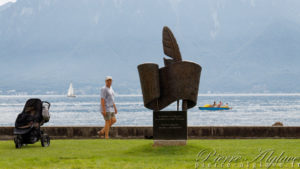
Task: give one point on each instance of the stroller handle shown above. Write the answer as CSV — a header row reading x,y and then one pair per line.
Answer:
x,y
47,103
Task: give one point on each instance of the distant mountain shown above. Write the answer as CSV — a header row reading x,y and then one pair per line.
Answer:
x,y
242,46
4,6
268,62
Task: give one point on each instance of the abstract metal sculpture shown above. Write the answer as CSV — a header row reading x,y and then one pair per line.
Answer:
x,y
178,80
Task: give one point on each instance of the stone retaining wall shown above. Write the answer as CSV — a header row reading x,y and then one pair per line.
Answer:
x,y
140,132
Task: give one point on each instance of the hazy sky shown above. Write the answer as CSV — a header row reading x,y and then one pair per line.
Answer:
x,y
2,2
242,45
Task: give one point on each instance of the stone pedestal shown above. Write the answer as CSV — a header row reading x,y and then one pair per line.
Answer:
x,y
169,128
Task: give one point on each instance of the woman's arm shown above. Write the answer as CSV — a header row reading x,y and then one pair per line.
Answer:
x,y
116,111
103,107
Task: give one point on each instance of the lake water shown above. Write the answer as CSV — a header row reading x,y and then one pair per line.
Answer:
x,y
248,110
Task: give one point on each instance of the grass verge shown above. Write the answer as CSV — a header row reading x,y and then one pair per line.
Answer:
x,y
139,153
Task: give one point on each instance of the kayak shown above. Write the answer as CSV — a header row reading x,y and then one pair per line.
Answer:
x,y
214,108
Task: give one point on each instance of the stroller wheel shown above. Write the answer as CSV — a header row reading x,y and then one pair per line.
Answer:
x,y
45,140
18,141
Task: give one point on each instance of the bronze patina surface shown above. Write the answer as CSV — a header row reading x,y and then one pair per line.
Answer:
x,y
177,80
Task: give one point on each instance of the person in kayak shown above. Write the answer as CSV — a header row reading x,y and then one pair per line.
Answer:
x,y
220,104
214,105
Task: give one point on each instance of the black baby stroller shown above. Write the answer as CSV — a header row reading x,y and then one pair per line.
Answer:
x,y
27,126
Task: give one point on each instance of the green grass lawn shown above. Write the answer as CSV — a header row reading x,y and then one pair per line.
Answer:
x,y
138,153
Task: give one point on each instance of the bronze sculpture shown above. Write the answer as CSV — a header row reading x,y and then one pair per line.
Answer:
x,y
178,80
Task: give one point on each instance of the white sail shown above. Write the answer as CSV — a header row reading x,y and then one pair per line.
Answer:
x,y
71,91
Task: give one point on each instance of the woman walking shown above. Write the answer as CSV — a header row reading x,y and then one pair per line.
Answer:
x,y
108,107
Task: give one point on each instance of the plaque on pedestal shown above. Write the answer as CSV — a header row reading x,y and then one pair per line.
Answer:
x,y
170,125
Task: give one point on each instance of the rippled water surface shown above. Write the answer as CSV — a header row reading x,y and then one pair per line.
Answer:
x,y
248,109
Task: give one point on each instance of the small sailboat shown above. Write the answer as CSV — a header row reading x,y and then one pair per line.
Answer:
x,y
71,91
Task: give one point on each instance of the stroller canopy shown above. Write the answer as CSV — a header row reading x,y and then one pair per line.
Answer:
x,y
32,112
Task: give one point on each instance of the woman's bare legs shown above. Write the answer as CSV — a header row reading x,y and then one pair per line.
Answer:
x,y
106,128
113,120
